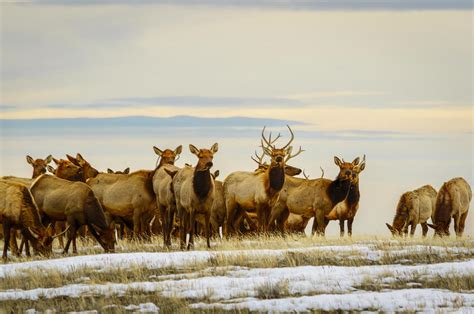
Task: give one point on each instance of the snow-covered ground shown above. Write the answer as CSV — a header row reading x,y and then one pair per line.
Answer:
x,y
383,287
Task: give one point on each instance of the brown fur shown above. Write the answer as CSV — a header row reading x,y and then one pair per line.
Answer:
x,y
39,165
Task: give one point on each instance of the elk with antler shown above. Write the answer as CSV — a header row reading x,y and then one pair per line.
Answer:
x,y
18,210
315,198
163,187
258,190
347,209
194,193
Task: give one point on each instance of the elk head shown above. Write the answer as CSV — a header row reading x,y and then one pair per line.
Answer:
x,y
167,156
205,156
87,170
263,166
441,229
43,239
399,225
67,170
106,237
39,165
125,171
349,171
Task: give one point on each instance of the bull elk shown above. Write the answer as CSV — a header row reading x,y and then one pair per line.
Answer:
x,y
414,207
347,209
18,210
452,203
194,193
163,188
259,190
314,198
74,202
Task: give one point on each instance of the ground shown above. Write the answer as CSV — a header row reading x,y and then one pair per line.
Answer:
x,y
255,274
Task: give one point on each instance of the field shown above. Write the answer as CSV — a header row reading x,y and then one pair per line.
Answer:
x,y
248,275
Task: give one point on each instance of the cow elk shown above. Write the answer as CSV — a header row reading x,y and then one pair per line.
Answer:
x,y
194,194
74,202
87,170
125,171
39,165
414,207
452,203
347,209
18,210
163,188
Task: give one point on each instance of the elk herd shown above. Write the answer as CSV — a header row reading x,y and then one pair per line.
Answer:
x,y
187,201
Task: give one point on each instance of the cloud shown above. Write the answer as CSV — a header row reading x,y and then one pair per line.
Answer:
x,y
292,4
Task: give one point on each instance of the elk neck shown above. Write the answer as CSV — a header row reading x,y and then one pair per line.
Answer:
x,y
202,182
276,176
338,190
354,195
29,215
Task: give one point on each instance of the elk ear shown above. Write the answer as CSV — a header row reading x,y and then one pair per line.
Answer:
x,y
356,161
216,173
126,171
80,159
361,167
157,151
56,161
109,170
193,149
215,148
432,226
29,159
337,161
48,159
72,159
51,169
171,173
178,150
389,227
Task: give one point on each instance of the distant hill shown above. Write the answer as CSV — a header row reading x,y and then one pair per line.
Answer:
x,y
139,121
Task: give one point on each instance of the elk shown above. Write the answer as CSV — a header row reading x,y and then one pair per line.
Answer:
x,y
314,198
414,207
347,209
87,170
194,193
18,210
452,202
39,165
125,171
67,170
74,202
258,190
128,196
296,223
163,188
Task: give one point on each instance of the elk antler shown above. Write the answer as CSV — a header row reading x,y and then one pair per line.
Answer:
x,y
289,156
292,137
322,171
259,158
305,175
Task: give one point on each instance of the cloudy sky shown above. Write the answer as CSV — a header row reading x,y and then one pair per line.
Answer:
x,y
372,73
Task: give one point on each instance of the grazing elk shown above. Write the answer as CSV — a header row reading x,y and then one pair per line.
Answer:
x,y
452,201
128,196
125,171
258,190
163,188
314,198
74,202
18,210
194,193
347,209
414,207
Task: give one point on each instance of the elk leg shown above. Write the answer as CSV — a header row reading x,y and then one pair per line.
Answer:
x,y
182,229
136,224
349,227
424,228
208,229
192,225
462,223
164,221
70,236
456,224
14,244
6,234
321,225
341,227
276,212
96,235
281,221
231,208
412,229
170,222
27,248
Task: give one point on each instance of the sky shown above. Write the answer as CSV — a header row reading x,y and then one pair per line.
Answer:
x,y
391,79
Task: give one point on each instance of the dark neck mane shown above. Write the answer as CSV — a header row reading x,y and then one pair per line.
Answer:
x,y
202,183
276,177
354,195
338,190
